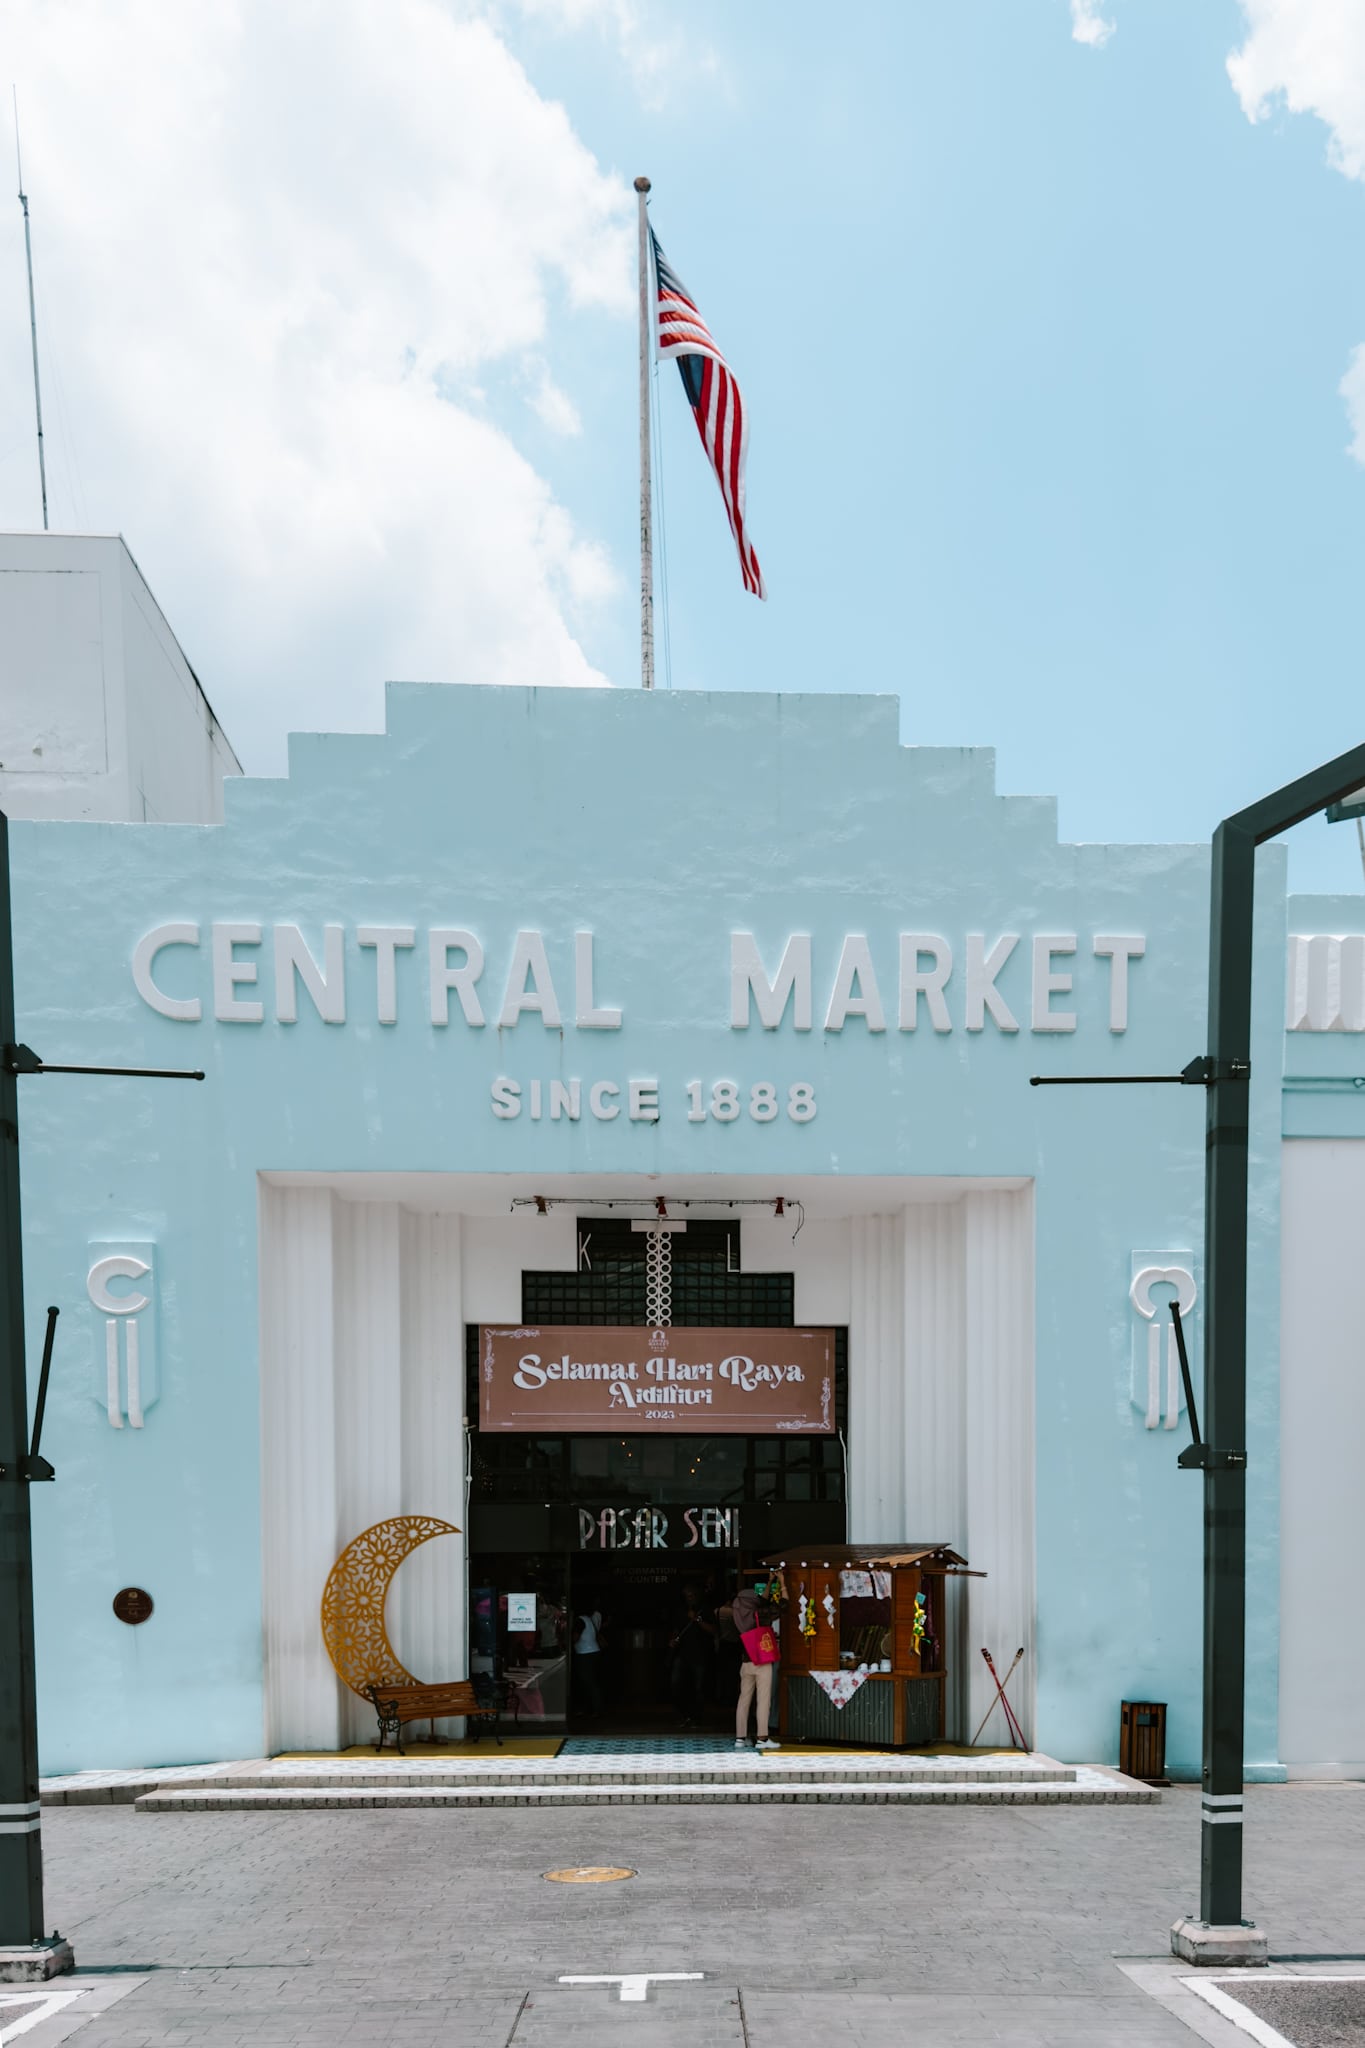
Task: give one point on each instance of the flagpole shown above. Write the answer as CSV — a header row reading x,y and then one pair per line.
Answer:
x,y
32,310
646,520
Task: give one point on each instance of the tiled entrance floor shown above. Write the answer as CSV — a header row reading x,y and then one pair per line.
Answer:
x,y
649,1745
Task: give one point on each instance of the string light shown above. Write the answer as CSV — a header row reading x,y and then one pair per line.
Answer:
x,y
663,1205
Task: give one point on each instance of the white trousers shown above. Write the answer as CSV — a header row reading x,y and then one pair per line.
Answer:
x,y
754,1679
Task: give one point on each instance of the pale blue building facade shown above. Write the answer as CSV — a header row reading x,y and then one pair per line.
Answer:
x,y
779,966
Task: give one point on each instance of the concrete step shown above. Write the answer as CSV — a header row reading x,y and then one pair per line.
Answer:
x,y
631,1772
124,1787
1084,1786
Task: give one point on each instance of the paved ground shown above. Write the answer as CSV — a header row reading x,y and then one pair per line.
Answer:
x,y
866,1926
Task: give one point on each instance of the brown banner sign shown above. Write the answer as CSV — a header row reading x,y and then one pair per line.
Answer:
x,y
618,1382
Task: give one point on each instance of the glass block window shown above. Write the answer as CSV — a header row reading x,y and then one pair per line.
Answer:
x,y
710,1290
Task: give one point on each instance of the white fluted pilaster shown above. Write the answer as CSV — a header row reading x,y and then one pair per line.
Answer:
x,y
298,1463
369,1391
936,1406
429,1627
999,1446
876,1378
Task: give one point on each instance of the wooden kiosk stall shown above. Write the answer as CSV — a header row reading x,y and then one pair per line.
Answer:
x,y
862,1642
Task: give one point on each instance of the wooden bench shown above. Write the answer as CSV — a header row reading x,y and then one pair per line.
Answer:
x,y
396,1704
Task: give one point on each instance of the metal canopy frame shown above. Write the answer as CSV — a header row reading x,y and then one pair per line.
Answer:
x,y
1221,1454
1232,893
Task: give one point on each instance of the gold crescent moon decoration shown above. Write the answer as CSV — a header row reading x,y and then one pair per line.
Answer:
x,y
353,1600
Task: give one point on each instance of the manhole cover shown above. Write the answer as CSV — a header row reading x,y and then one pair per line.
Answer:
x,y
590,1873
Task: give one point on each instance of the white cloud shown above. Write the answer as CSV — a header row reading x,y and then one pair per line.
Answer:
x,y
554,408
1309,54
280,244
1352,389
1087,25
658,62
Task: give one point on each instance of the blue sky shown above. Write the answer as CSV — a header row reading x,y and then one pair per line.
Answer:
x,y
1041,344
1042,340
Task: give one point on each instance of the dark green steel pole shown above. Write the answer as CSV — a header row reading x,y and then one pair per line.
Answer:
x,y
21,1858
1225,1341
1231,905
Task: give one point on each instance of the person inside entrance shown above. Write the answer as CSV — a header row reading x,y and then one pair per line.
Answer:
x,y
754,1612
587,1663
653,1668
692,1671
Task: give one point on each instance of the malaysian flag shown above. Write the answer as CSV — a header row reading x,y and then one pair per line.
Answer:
x,y
714,398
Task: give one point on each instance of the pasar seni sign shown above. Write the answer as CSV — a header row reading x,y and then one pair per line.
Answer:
x,y
667,1528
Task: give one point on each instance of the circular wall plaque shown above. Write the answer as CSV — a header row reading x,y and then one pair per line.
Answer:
x,y
132,1605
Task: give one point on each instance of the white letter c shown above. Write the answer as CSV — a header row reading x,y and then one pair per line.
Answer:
x,y
117,1267
188,1010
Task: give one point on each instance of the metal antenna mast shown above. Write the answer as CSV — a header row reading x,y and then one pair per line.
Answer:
x,y
32,309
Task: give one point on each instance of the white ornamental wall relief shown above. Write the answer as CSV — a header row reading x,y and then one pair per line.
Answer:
x,y
1158,1279
121,1286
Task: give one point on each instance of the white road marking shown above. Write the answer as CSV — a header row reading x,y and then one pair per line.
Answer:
x,y
51,2003
1231,2008
635,1985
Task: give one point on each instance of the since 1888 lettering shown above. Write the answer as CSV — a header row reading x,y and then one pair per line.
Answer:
x,y
721,1102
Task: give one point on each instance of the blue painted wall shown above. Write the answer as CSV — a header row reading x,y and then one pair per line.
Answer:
x,y
661,823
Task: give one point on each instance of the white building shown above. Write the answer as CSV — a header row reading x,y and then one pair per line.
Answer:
x,y
101,716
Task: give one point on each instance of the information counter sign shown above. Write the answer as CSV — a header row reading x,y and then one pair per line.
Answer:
x,y
630,1381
